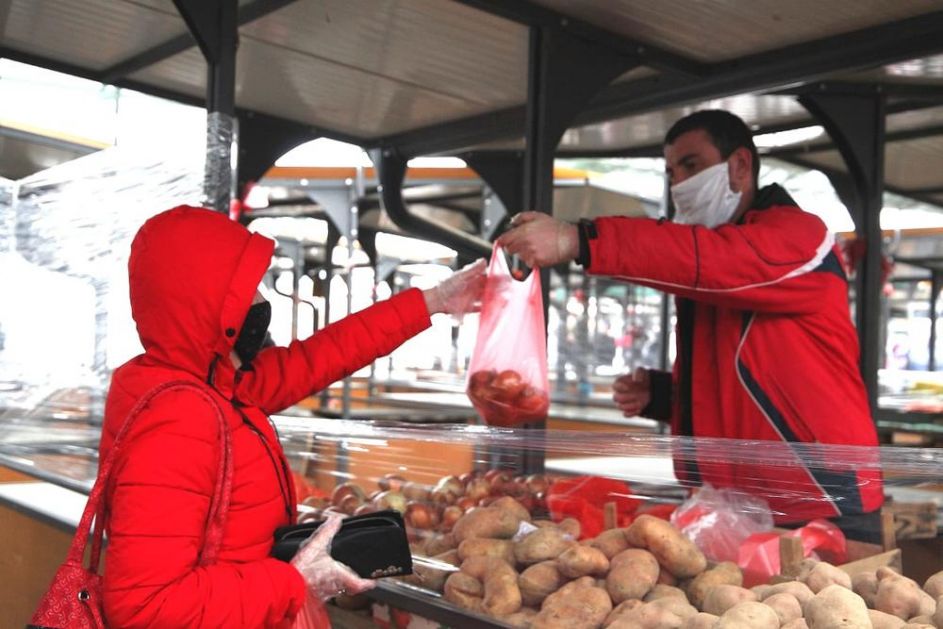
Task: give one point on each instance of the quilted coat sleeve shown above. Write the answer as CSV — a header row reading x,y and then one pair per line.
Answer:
x,y
162,484
282,376
769,263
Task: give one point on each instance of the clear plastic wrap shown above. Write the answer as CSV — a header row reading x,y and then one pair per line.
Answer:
x,y
66,234
438,474
218,174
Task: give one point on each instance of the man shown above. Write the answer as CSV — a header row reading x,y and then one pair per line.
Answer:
x,y
766,348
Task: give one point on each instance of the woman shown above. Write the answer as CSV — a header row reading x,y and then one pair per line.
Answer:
x,y
193,278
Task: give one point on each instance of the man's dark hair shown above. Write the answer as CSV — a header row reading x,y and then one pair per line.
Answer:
x,y
727,132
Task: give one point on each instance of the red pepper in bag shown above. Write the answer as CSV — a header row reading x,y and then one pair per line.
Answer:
x,y
585,497
507,380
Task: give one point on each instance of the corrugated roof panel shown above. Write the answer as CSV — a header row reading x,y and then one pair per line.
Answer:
x,y
339,97
94,34
907,165
914,164
184,72
916,119
650,128
319,93
725,29
441,47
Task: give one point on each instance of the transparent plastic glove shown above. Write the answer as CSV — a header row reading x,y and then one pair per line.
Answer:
x,y
459,294
541,240
325,577
632,392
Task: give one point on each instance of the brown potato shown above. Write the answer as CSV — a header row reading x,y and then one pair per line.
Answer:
x,y
700,620
785,605
749,615
580,607
480,546
541,545
663,591
632,574
439,544
800,590
579,561
865,585
675,552
522,618
722,597
622,609
901,596
464,590
486,522
835,607
934,585
668,612
881,620
571,527
539,581
611,542
824,574
501,594
724,573
508,503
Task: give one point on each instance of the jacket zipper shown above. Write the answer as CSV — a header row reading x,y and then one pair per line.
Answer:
x,y
271,456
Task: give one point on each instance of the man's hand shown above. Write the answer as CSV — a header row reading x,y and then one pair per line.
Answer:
x,y
541,240
631,392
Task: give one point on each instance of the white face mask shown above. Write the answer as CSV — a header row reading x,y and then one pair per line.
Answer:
x,y
706,198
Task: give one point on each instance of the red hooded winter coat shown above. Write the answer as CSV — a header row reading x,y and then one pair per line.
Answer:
x,y
766,348
193,275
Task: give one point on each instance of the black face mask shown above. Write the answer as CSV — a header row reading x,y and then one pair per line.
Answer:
x,y
252,335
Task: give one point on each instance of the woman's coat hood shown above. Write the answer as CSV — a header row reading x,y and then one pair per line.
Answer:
x,y
193,274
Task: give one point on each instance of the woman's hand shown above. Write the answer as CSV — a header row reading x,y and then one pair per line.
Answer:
x,y
459,294
326,578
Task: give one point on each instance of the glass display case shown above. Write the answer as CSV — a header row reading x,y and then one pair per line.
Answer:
x,y
584,486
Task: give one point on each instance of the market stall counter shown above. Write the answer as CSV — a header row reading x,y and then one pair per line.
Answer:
x,y
513,543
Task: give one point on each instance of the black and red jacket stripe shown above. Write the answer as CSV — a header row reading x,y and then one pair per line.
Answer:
x,y
766,348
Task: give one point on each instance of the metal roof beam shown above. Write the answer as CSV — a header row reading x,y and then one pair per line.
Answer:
x,y
175,45
895,136
903,192
530,14
865,48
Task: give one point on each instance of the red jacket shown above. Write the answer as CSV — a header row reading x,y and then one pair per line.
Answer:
x,y
193,274
766,347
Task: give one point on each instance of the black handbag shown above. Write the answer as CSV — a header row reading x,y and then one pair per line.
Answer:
x,y
374,545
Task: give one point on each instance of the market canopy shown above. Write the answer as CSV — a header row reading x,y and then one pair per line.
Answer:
x,y
433,76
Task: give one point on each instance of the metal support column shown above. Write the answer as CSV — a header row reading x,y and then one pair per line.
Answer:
x,y
503,172
214,26
856,123
564,72
934,294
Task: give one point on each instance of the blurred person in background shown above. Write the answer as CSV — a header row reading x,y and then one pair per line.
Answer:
x,y
766,349
193,287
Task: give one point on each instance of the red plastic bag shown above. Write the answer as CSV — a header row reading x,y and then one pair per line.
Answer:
x,y
718,520
507,377
584,498
759,555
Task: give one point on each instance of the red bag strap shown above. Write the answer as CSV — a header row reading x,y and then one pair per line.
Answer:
x,y
219,505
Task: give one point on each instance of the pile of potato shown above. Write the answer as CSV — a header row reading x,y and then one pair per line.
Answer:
x,y
649,576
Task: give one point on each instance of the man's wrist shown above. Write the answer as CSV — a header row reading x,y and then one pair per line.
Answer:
x,y
567,242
